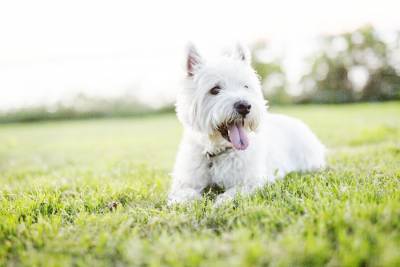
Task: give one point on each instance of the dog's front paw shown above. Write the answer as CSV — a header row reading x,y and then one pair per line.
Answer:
x,y
222,199
183,196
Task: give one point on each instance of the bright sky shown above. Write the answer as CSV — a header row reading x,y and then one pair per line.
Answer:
x,y
53,49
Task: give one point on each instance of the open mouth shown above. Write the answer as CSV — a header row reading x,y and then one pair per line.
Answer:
x,y
235,133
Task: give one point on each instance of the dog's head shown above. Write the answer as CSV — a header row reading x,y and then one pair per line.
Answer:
x,y
221,98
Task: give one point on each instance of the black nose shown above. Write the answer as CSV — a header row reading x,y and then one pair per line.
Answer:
x,y
242,107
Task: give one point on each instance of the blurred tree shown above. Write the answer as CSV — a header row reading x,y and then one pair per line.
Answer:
x,y
354,66
271,73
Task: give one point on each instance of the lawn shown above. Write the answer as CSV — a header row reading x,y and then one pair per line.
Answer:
x,y
93,193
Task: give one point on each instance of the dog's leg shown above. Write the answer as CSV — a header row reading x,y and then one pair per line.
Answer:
x,y
228,195
231,193
183,195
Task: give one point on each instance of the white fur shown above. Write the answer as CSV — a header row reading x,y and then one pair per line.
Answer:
x,y
277,144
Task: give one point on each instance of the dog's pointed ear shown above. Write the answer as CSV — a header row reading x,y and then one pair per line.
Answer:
x,y
193,60
243,53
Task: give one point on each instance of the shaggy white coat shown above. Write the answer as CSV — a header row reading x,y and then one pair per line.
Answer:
x,y
277,144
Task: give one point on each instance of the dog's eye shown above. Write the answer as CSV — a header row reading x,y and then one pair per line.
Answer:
x,y
246,86
215,90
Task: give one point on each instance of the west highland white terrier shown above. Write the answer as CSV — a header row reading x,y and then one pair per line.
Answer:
x,y
229,139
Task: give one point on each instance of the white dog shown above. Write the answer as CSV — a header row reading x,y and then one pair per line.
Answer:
x,y
230,139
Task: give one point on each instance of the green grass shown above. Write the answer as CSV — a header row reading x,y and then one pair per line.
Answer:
x,y
93,193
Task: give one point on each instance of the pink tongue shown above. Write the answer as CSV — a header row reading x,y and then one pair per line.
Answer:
x,y
238,137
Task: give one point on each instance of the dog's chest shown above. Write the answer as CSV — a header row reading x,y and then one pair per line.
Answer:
x,y
229,169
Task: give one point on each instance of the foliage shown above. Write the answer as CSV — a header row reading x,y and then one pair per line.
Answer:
x,y
92,193
349,67
354,66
